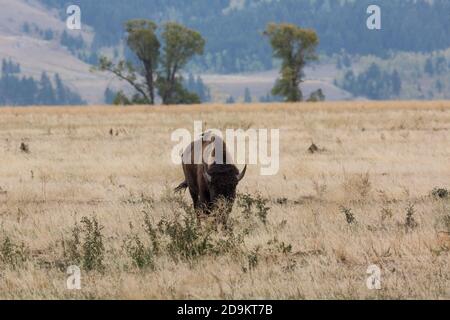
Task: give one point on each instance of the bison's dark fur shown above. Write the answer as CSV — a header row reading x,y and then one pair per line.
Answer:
x,y
208,184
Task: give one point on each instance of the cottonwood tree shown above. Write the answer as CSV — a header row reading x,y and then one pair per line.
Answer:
x,y
294,46
160,72
180,45
142,40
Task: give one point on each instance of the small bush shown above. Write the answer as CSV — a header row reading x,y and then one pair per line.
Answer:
x,y
24,147
152,232
182,236
273,252
281,201
141,256
71,247
410,222
386,211
139,199
349,216
252,259
186,237
254,206
144,256
93,249
313,148
86,246
440,193
276,246
358,184
12,254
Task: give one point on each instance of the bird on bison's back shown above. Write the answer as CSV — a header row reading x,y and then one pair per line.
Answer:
x,y
210,183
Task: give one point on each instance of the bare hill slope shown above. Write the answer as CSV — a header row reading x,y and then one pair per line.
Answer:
x,y
36,54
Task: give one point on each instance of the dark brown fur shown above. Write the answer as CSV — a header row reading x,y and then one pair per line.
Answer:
x,y
205,194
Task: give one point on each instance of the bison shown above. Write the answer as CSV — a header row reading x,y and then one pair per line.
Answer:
x,y
211,181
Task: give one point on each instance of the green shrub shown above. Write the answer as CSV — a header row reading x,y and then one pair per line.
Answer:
x,y
440,193
187,238
410,222
141,256
254,206
275,245
349,216
252,259
12,254
182,236
86,246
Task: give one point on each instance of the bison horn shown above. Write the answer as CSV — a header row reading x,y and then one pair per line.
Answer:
x,y
242,174
206,174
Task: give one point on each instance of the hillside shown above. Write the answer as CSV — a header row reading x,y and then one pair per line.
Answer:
x,y
233,29
35,54
237,56
320,76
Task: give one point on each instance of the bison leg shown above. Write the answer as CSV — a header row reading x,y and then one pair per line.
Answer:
x,y
198,206
205,202
194,196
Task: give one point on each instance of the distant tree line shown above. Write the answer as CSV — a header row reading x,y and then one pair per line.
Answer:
x,y
47,34
23,91
437,65
233,36
372,83
10,67
197,86
72,43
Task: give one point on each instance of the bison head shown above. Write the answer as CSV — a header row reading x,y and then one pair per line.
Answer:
x,y
222,181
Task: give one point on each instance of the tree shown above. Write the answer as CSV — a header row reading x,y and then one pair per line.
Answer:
x,y
316,96
9,67
373,83
63,94
125,70
197,86
26,27
109,95
396,83
441,65
247,96
60,94
23,91
121,99
230,100
46,93
72,43
439,86
180,45
159,72
294,46
429,68
203,90
142,40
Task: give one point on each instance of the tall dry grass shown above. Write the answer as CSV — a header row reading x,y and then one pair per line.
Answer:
x,y
364,198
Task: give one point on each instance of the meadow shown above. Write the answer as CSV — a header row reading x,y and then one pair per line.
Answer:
x,y
92,187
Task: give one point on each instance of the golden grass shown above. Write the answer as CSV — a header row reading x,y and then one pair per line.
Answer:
x,y
379,158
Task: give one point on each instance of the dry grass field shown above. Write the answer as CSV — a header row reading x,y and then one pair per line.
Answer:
x,y
311,231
